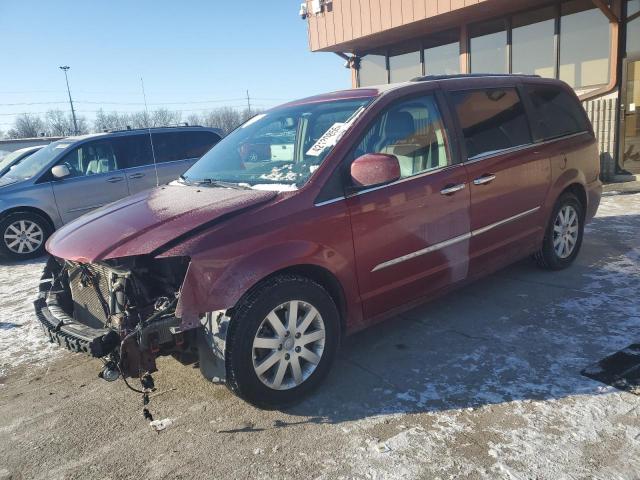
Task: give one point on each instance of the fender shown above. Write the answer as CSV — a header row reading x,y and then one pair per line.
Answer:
x,y
567,178
211,285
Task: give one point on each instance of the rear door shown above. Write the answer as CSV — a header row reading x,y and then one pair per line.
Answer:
x,y
97,178
137,158
410,237
508,177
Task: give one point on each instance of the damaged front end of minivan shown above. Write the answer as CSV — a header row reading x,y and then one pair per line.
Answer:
x,y
124,312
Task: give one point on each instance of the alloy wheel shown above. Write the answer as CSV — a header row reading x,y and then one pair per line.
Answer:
x,y
565,231
288,345
23,237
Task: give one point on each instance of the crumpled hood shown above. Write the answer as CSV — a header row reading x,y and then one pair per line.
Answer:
x,y
142,223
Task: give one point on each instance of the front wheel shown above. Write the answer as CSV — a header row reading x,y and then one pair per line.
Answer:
x,y
563,237
282,340
23,235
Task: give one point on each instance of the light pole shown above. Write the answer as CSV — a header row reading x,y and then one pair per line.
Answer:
x,y
73,112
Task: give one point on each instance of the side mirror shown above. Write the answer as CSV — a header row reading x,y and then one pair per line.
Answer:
x,y
374,169
60,171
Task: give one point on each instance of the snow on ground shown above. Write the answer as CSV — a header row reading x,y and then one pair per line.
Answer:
x,y
483,383
21,336
506,399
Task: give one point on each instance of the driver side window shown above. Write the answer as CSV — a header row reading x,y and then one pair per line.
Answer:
x,y
91,158
413,131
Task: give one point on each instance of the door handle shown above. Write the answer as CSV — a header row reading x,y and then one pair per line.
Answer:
x,y
114,179
483,180
451,189
137,175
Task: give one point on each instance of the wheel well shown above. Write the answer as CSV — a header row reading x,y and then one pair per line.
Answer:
x,y
579,191
37,211
325,278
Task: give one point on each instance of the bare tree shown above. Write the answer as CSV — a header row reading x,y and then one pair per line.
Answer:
x,y
27,126
59,124
247,114
140,120
194,119
224,118
110,121
164,117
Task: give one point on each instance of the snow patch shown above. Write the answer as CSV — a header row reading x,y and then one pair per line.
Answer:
x,y
22,339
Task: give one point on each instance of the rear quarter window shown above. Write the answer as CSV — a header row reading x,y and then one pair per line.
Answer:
x,y
556,113
172,146
492,120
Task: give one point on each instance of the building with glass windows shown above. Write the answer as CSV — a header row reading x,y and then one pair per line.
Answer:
x,y
593,45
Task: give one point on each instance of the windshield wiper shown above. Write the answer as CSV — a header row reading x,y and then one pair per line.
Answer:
x,y
220,183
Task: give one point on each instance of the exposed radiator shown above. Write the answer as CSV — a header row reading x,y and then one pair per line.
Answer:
x,y
87,307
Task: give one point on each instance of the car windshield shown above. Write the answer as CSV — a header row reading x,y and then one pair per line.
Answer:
x,y
280,149
34,164
9,158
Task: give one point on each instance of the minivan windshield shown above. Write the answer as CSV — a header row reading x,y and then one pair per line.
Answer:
x,y
8,159
34,164
279,149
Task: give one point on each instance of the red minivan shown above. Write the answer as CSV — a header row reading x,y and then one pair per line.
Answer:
x,y
387,197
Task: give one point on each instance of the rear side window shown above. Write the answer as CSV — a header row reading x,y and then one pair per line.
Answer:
x,y
556,113
133,150
492,120
172,146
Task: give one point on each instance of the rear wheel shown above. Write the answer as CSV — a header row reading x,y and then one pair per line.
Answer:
x,y
23,235
563,237
282,340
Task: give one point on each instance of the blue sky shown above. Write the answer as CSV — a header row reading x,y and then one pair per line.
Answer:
x,y
186,51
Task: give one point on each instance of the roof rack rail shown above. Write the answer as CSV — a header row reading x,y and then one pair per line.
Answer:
x,y
129,129
427,78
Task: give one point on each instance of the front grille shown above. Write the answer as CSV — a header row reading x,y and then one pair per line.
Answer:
x,y
87,307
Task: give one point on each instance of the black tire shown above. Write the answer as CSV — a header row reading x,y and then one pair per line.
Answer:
x,y
11,251
248,317
547,257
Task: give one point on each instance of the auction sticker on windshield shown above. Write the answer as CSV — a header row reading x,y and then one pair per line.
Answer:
x,y
327,140
331,136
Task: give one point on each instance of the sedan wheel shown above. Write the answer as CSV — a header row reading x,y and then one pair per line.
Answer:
x,y
288,345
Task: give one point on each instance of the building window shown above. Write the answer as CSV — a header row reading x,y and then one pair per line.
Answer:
x,y
442,54
633,27
405,66
533,46
373,70
489,47
492,120
584,45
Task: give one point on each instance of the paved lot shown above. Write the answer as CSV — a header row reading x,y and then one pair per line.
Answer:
x,y
483,383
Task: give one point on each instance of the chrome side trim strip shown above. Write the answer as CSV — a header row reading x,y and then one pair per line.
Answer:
x,y
424,251
482,230
82,209
452,241
327,202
